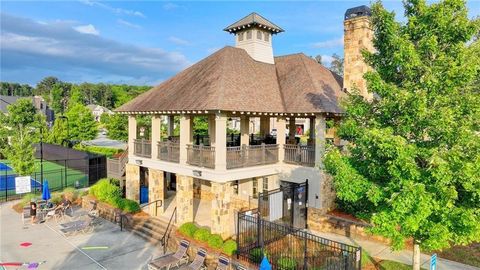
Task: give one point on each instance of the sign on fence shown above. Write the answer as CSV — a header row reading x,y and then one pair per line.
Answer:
x,y
23,184
433,262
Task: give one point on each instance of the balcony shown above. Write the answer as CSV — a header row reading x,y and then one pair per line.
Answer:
x,y
201,156
251,155
169,151
300,154
142,148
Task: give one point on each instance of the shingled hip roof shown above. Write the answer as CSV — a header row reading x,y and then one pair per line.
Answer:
x,y
230,80
253,19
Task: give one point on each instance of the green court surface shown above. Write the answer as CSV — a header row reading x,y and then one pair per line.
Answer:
x,y
55,174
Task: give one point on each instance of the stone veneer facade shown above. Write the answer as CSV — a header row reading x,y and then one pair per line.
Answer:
x,y
222,212
132,182
184,199
357,37
156,191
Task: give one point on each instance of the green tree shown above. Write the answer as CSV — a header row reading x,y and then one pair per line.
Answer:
x,y
116,125
413,167
81,124
45,86
337,64
58,133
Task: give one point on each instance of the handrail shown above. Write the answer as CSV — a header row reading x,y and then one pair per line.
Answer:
x,y
166,235
156,205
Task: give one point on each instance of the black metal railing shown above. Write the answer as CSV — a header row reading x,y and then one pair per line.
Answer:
x,y
291,248
168,230
158,204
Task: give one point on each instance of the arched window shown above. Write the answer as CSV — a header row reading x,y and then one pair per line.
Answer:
x,y
259,34
267,37
240,36
249,34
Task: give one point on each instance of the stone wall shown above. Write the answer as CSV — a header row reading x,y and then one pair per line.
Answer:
x,y
222,212
156,191
132,182
327,193
202,190
184,199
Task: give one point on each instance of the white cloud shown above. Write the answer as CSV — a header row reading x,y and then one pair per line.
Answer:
x,y
170,6
87,29
129,24
178,41
327,60
30,51
115,10
329,43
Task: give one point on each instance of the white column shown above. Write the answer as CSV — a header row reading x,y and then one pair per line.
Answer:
x,y
185,137
281,137
291,130
211,129
244,130
170,125
264,125
320,128
132,133
156,126
221,142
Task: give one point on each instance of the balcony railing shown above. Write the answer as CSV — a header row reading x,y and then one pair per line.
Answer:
x,y
201,156
142,148
169,151
300,154
251,155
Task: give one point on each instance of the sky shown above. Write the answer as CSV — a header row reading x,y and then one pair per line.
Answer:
x,y
145,43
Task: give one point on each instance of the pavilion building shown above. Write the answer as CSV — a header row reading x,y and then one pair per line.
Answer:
x,y
208,180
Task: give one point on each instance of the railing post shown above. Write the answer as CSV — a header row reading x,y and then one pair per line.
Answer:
x,y
298,155
243,155
201,154
264,153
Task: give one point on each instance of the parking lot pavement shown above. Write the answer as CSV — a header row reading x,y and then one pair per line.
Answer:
x,y
124,250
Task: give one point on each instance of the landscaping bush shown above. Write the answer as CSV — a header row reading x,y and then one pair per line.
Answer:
x,y
202,235
27,199
229,247
130,206
70,193
56,198
256,255
215,241
188,229
285,263
108,152
104,191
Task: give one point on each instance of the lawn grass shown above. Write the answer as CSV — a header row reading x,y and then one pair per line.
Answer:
x,y
55,174
369,263
464,254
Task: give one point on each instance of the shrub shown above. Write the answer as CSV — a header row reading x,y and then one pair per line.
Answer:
x,y
104,191
202,235
56,198
129,206
229,247
70,193
188,229
285,263
256,255
215,241
108,152
27,199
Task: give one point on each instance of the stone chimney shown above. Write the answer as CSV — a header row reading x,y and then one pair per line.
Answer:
x,y
254,33
357,36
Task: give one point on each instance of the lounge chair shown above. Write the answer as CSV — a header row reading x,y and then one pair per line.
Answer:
x,y
26,214
199,261
85,226
172,259
223,263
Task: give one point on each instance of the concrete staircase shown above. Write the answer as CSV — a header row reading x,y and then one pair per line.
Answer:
x,y
149,228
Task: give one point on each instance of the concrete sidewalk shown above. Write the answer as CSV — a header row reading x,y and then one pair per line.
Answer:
x,y
381,251
125,250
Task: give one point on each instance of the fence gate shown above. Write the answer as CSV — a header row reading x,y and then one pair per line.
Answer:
x,y
286,205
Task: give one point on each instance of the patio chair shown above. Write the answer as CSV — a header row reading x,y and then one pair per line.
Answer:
x,y
172,259
85,226
26,214
223,263
199,261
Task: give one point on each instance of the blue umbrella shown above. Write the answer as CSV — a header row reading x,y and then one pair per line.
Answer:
x,y
265,265
45,192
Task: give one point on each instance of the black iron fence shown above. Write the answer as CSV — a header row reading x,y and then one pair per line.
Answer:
x,y
288,248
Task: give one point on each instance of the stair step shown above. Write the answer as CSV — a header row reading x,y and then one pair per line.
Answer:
x,y
147,237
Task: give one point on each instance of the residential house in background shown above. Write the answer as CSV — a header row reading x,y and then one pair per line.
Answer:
x,y
246,84
98,111
39,103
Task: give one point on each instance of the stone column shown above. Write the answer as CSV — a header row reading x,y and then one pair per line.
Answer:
x,y
222,214
185,137
132,182
170,125
291,130
281,128
156,191
184,199
211,129
132,133
221,142
156,130
264,125
244,130
311,137
320,128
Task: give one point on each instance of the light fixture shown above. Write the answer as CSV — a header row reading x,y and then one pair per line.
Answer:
x,y
197,173
139,162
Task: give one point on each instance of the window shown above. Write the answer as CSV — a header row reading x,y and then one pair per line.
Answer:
x,y
255,188
240,36
267,37
259,34
265,184
235,188
249,34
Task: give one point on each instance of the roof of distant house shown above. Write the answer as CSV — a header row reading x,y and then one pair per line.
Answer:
x,y
95,107
230,80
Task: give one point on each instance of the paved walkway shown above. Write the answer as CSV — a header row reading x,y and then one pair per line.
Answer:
x,y
125,250
384,252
